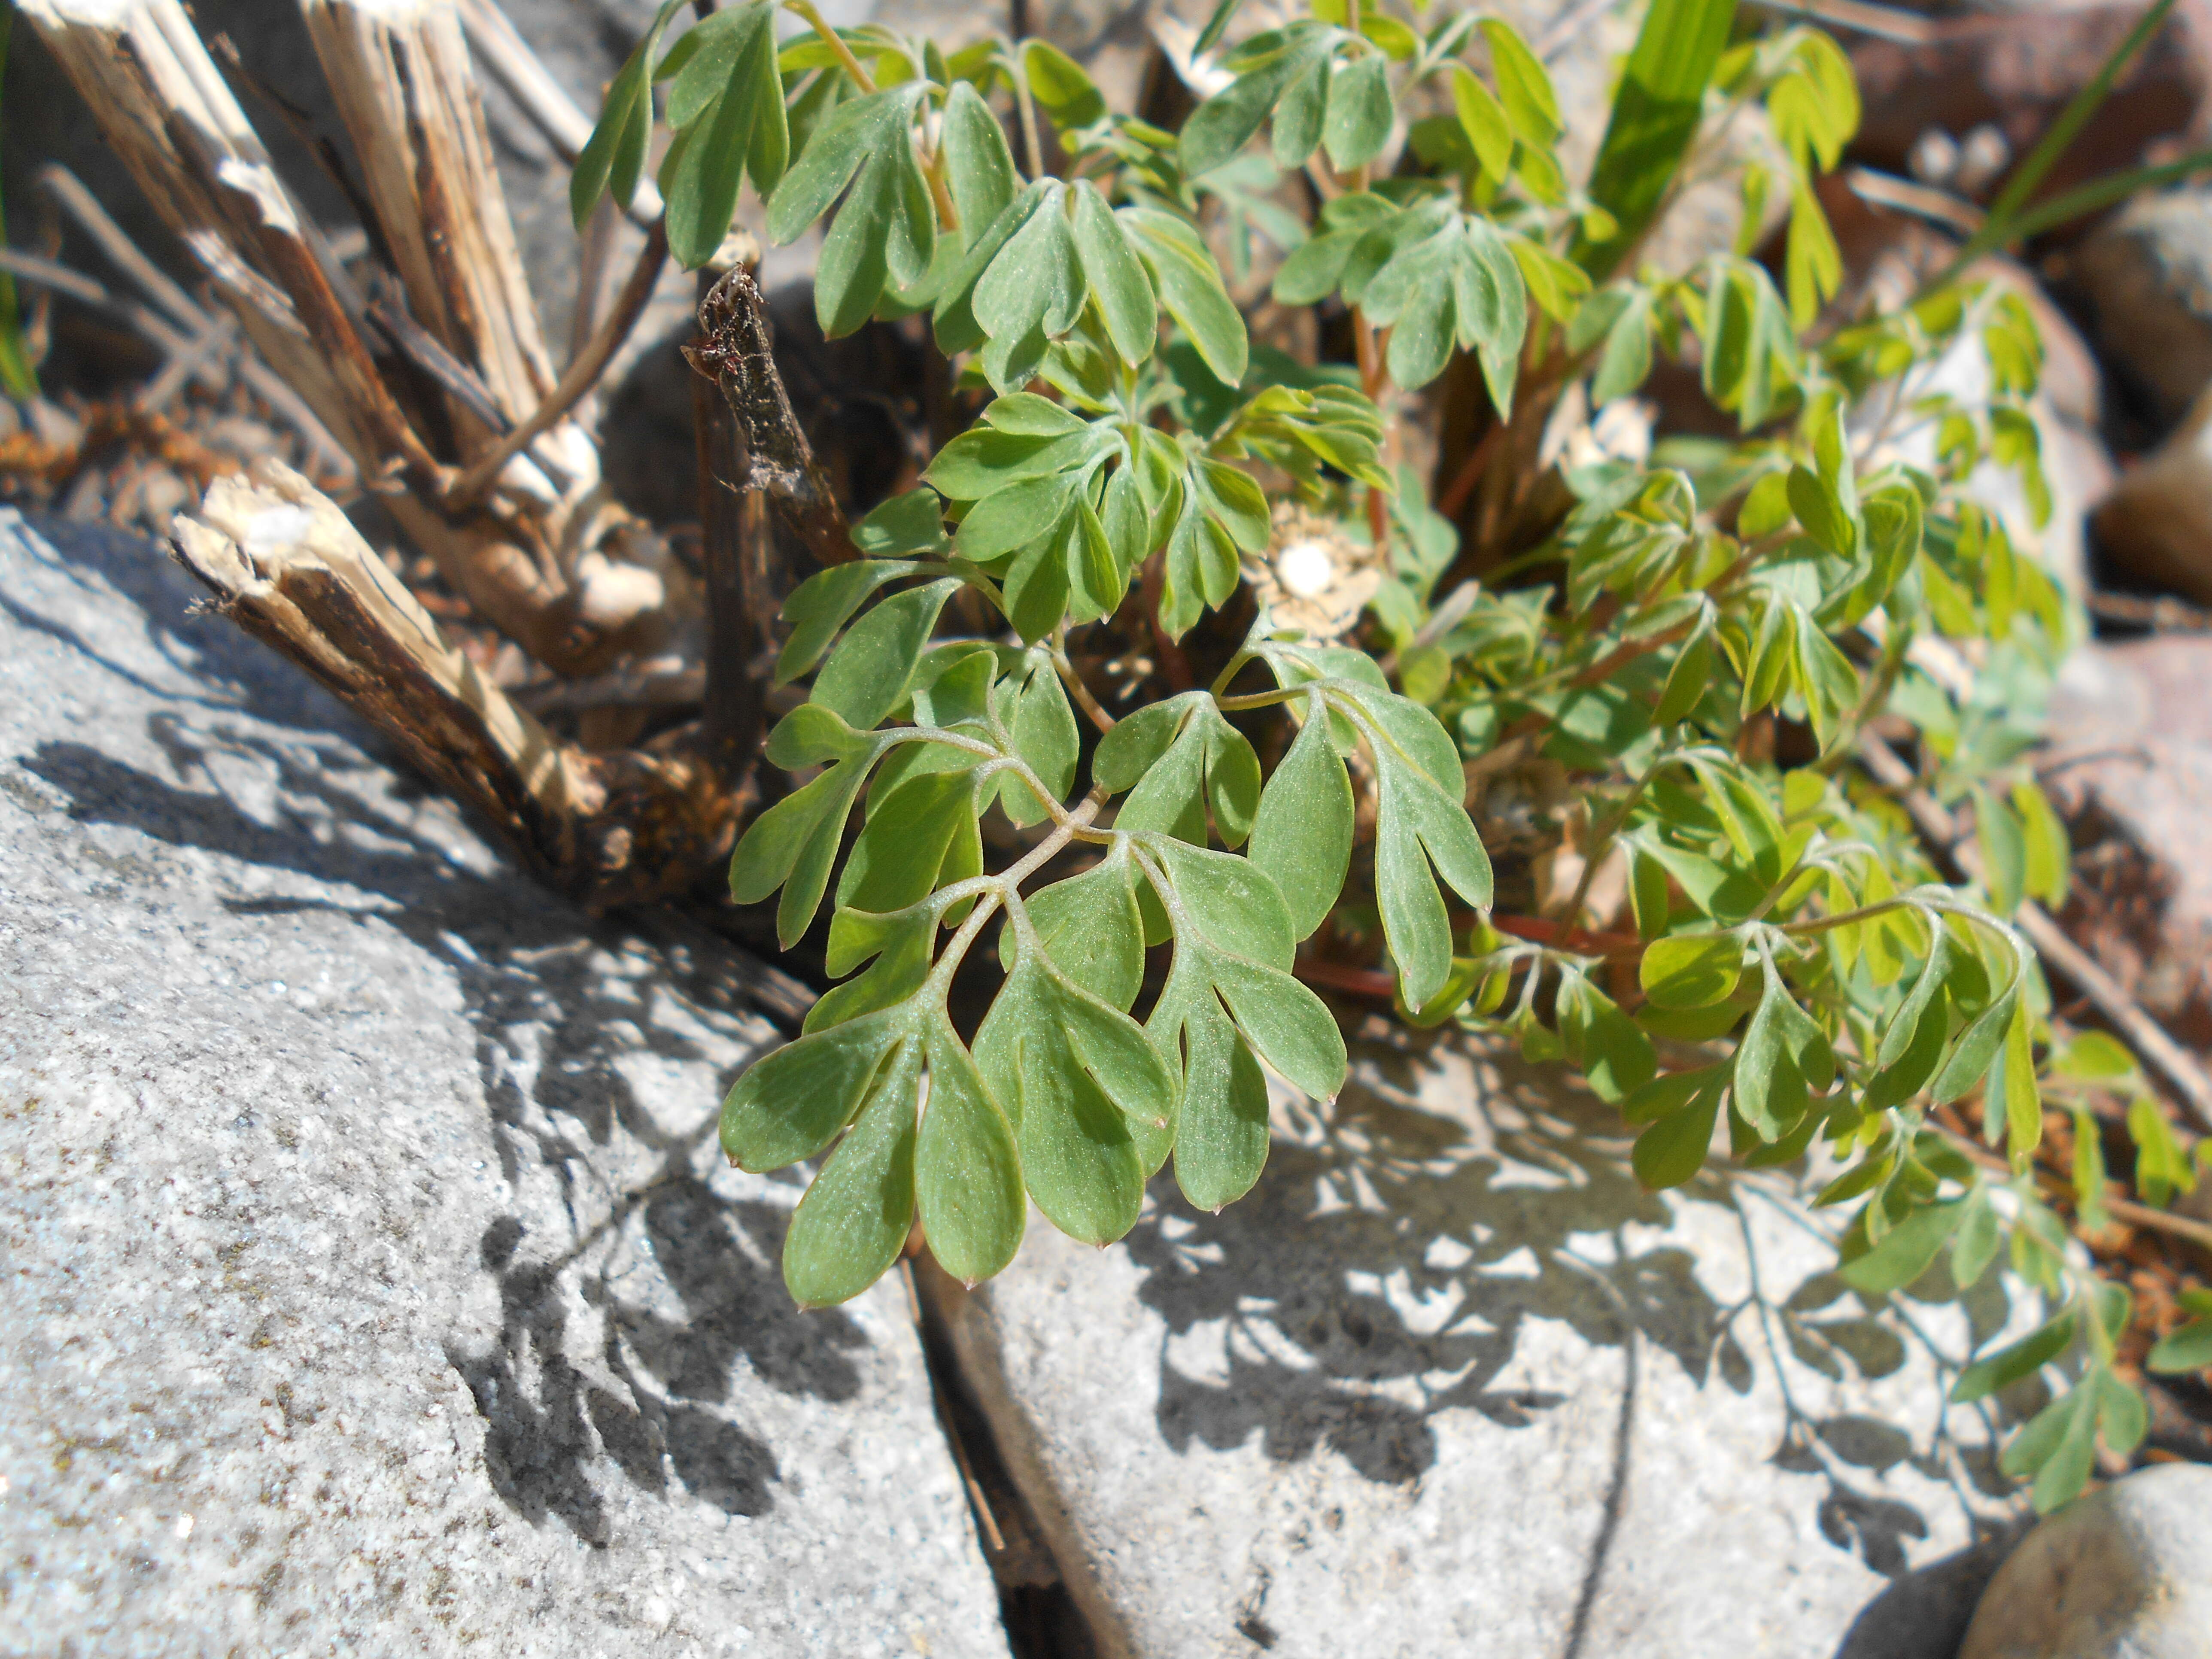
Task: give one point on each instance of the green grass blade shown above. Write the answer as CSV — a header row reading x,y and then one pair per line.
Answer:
x,y
1655,116
2075,116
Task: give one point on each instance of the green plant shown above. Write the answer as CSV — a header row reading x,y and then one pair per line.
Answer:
x,y
1698,642
18,378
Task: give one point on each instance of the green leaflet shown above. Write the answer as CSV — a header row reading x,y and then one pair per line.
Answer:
x,y
1419,821
824,603
1233,951
1190,287
1206,761
614,154
792,845
855,1217
1116,277
1221,1134
1035,709
966,1172
2187,1348
918,837
1616,1058
1484,120
856,131
1523,86
1785,1056
1302,835
1301,112
790,1105
1692,970
1036,282
866,675
1673,1150
885,234
954,322
1072,1073
1062,90
2059,1444
1225,123
1748,343
1090,926
728,103
1357,124
903,524
1907,1251
979,168
2022,1358
1459,284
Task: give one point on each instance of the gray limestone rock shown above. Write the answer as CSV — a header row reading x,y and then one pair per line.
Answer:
x,y
1448,1383
2124,1573
373,1283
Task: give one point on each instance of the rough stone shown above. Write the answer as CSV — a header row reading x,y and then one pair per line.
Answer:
x,y
2131,770
2155,525
2146,275
373,1283
1449,1383
2124,1573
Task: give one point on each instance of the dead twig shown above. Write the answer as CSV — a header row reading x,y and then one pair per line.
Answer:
x,y
2162,614
1883,23
581,375
387,312
67,193
1887,189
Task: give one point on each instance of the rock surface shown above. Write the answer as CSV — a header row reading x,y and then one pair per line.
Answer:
x,y
373,1283
2124,1573
2131,773
1449,1383
2156,523
2147,275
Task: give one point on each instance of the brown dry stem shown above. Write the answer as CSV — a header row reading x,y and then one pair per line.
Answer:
x,y
286,565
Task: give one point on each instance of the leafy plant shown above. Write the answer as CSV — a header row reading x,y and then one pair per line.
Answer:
x,y
18,377
1697,642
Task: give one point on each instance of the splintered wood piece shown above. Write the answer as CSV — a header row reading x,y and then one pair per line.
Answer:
x,y
164,107
288,566
401,74
165,112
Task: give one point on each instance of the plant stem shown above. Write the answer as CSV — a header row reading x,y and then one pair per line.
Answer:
x,y
835,41
1092,709
1032,146
2085,104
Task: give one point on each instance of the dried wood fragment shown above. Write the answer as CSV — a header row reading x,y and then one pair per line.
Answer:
x,y
165,109
399,71
286,566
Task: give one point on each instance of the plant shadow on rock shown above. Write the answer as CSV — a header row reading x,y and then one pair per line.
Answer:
x,y
1384,1270
627,1287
